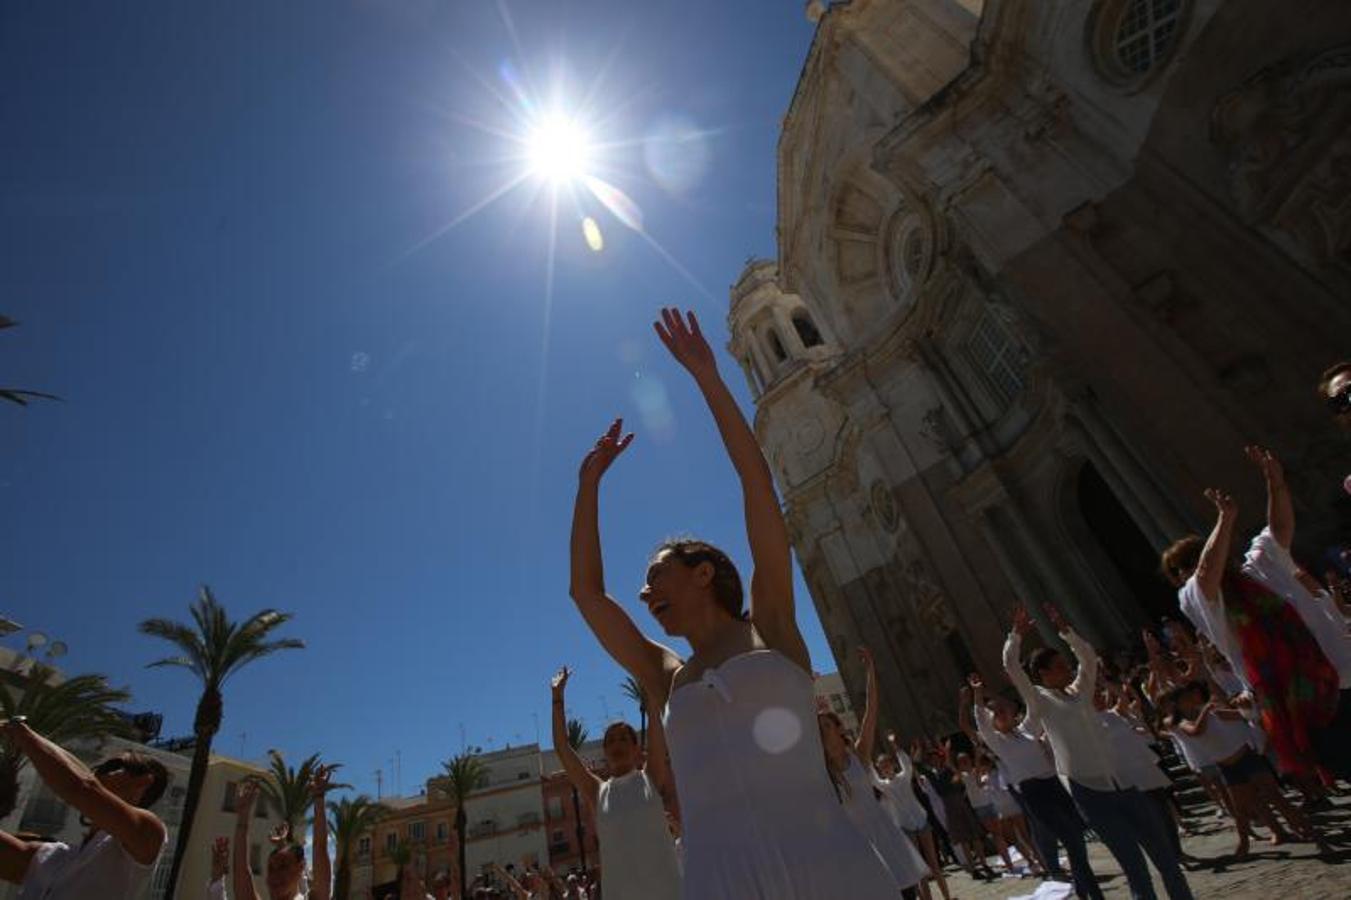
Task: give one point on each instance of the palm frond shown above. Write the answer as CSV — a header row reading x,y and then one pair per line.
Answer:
x,y
577,733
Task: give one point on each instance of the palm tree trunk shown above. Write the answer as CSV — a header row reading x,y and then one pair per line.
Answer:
x,y
642,727
205,726
581,832
342,878
461,819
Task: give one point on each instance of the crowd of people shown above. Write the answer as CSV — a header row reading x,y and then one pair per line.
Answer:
x,y
746,789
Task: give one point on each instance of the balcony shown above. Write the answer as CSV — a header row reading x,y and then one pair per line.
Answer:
x,y
527,820
485,828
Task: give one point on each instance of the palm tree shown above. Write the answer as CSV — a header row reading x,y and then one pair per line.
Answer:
x,y
401,855
287,788
213,648
577,736
351,817
79,708
465,773
18,395
634,691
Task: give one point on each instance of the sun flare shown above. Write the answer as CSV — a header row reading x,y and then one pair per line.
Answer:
x,y
559,149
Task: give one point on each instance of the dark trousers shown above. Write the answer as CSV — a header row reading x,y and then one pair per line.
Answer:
x,y
1053,815
1332,744
1132,827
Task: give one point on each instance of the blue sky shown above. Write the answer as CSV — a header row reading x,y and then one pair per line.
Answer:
x,y
212,217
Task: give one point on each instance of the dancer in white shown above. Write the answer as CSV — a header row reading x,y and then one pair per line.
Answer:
x,y
859,790
896,773
286,863
124,839
760,817
640,856
1129,824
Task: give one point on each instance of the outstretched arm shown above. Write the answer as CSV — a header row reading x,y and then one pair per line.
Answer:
x,y
511,884
587,784
321,888
1280,510
649,662
1215,554
139,831
1013,665
772,610
1086,679
658,767
242,880
867,731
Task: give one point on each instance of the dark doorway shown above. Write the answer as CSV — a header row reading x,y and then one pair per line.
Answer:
x,y
1135,561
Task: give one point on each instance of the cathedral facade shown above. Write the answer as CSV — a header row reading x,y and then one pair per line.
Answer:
x,y
1044,268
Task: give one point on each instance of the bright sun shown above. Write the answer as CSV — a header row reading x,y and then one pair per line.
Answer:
x,y
558,149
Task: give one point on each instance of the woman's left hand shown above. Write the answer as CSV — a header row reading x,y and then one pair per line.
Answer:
x,y
686,341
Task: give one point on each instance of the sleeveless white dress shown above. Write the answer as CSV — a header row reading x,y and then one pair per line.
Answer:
x,y
637,851
761,819
871,819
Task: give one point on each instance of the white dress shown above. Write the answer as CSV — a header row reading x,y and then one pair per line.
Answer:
x,y
870,818
97,868
760,817
639,854
906,810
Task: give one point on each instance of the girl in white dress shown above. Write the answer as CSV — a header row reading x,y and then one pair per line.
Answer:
x,y
896,773
639,854
859,790
759,814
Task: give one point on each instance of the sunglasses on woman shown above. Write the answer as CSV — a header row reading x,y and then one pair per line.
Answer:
x,y
110,766
1340,402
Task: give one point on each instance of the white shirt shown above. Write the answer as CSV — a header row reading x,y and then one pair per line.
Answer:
x,y
1137,764
1077,738
1270,564
1022,756
99,868
1220,740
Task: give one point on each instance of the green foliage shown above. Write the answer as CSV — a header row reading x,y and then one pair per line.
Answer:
x,y
69,711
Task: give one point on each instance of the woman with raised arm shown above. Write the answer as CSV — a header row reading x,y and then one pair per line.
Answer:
x,y
760,818
640,857
859,789
114,799
286,862
1295,660
1062,699
896,771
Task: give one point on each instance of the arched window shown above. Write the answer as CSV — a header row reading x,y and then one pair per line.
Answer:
x,y
1145,32
775,345
1131,38
806,329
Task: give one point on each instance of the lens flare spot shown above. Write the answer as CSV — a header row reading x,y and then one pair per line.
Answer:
x,y
776,730
676,152
616,201
649,395
591,231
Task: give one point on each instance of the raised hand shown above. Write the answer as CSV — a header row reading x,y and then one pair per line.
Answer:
x,y
245,797
866,655
1056,618
559,683
975,681
1224,503
612,443
322,782
1267,462
220,858
685,340
1022,620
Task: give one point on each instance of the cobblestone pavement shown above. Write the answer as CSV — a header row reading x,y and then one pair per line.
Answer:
x,y
1286,872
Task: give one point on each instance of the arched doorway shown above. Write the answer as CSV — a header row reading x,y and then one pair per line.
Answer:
x,y
1121,542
